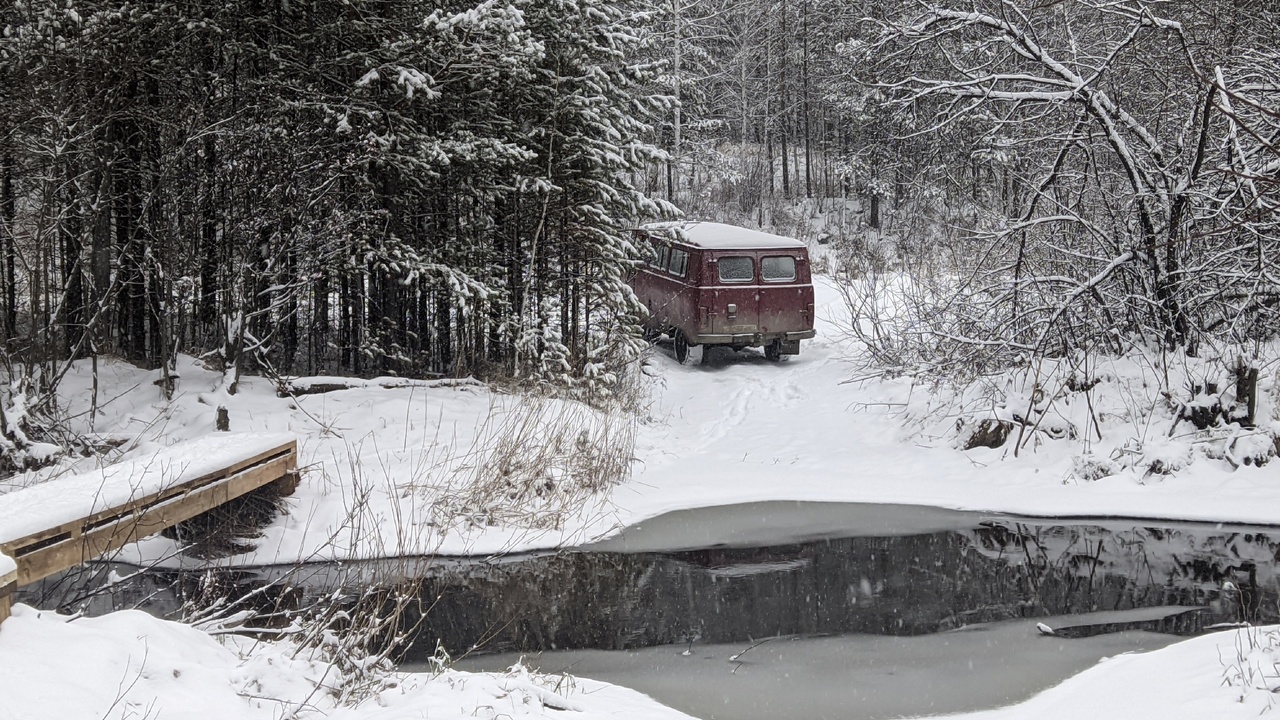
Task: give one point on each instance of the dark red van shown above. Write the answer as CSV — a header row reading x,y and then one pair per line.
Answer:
x,y
713,284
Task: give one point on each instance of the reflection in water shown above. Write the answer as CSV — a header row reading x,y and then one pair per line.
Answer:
x,y
897,585
866,585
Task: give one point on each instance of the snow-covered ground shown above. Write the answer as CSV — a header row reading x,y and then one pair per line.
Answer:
x,y
393,470
130,666
1222,676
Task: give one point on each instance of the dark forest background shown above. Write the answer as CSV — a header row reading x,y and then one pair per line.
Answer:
x,y
446,188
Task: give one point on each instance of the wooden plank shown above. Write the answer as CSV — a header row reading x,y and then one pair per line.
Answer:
x,y
289,448
69,530
1172,620
93,538
8,584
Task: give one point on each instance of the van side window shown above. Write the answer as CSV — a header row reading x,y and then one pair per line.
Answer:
x,y
679,262
661,260
780,268
735,269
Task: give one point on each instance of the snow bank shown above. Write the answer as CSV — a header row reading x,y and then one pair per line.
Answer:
x,y
7,566
1224,676
131,665
380,465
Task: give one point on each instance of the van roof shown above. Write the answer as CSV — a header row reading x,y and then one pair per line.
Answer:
x,y
718,236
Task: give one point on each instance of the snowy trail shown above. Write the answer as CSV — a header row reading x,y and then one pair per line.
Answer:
x,y
741,428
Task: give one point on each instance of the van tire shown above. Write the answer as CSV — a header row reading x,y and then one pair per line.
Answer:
x,y
680,344
686,353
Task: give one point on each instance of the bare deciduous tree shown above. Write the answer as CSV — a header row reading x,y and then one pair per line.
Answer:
x,y
1100,112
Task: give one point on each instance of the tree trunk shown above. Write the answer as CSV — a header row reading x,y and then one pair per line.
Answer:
x,y
784,116
8,220
318,334
73,306
808,151
673,174
209,245
289,321
444,330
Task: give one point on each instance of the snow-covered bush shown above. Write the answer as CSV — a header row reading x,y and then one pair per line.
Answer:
x,y
605,373
1140,413
24,433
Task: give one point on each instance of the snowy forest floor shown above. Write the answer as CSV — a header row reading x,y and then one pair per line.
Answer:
x,y
419,469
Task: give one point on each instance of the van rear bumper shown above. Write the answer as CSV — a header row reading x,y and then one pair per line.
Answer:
x,y
751,338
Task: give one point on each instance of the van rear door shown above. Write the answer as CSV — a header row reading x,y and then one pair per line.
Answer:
x,y
785,292
735,298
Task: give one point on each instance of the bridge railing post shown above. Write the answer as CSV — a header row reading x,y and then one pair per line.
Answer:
x,y
8,585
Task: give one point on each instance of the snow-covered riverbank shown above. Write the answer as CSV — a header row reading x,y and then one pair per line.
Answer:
x,y
128,666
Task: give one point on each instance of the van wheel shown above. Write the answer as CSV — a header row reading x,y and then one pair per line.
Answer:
x,y
687,354
773,350
681,344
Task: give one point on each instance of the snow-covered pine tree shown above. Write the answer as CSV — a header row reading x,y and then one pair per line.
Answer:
x,y
356,187
585,115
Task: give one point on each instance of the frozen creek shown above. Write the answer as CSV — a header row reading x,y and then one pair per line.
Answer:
x,y
891,611
815,610
844,677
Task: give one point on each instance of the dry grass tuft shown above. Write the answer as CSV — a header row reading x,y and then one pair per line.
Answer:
x,y
537,463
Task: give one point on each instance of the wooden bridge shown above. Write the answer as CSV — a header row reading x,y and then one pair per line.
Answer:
x,y
62,523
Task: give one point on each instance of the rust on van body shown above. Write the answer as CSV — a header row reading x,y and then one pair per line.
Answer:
x,y
714,284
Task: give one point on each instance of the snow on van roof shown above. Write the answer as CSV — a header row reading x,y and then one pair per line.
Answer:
x,y
718,236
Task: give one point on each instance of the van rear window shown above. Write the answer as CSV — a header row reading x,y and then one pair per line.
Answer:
x,y
780,268
735,269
